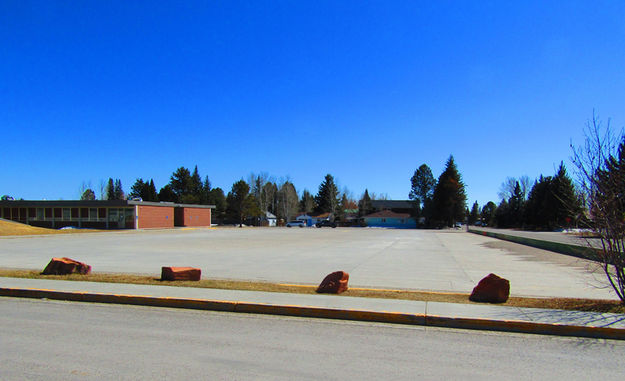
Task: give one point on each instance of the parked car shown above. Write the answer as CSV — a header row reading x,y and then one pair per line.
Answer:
x,y
299,223
323,223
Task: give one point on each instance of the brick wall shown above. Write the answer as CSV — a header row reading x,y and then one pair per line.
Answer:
x,y
193,216
155,217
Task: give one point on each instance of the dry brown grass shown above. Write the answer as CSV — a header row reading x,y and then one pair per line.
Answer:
x,y
551,303
11,228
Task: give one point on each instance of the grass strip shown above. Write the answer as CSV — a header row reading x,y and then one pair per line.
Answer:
x,y
589,305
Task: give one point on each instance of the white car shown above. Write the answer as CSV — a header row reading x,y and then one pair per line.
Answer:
x,y
299,223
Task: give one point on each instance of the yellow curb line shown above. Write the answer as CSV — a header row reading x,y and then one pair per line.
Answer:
x,y
324,313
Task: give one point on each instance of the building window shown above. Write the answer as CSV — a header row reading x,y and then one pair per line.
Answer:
x,y
40,214
48,213
84,213
93,214
67,215
58,212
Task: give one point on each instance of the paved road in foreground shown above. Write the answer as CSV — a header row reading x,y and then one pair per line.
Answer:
x,y
63,341
382,258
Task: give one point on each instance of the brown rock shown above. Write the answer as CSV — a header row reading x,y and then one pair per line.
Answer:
x,y
181,273
491,289
334,283
64,266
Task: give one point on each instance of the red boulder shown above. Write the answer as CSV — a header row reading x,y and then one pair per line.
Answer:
x,y
491,289
64,266
334,283
180,273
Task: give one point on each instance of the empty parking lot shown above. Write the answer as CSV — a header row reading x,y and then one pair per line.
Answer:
x,y
381,258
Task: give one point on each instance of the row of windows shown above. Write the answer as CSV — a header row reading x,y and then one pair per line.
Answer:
x,y
68,214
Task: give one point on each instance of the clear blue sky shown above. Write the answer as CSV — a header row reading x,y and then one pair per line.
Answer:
x,y
365,91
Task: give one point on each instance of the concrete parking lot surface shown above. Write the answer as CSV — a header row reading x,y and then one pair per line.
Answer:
x,y
381,258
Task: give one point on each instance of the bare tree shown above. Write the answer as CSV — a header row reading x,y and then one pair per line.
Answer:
x,y
600,174
506,189
287,200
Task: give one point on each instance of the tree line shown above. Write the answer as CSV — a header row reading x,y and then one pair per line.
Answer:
x,y
247,201
552,202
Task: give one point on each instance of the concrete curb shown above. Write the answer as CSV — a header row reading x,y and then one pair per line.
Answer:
x,y
558,247
324,313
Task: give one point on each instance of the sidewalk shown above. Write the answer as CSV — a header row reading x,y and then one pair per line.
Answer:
x,y
468,316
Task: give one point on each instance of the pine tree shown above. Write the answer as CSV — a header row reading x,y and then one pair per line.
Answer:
x,y
474,214
516,206
327,197
166,194
307,202
88,195
110,190
138,189
118,190
422,186
217,197
151,193
364,205
236,201
179,183
449,199
488,213
569,206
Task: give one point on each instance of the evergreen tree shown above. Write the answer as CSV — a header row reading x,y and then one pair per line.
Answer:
x,y
327,197
539,204
205,191
570,207
553,202
167,194
422,187
449,199
236,201
180,182
143,189
195,186
151,192
364,205
516,204
138,189
217,197
88,195
502,215
488,213
474,214
110,190
118,190
307,202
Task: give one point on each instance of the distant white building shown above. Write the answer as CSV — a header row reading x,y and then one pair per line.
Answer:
x,y
269,219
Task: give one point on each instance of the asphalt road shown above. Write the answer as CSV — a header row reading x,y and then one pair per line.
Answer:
x,y
382,258
63,341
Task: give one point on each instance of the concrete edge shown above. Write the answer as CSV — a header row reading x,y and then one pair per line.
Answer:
x,y
558,247
323,313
